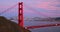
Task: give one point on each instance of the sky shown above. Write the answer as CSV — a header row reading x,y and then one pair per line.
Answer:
x,y
32,8
7,4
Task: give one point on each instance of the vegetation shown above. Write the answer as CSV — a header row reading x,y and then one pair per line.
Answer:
x,y
10,26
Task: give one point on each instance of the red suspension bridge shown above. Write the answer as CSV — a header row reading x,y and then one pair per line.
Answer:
x,y
21,18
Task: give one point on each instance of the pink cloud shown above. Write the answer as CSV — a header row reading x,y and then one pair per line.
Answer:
x,y
46,5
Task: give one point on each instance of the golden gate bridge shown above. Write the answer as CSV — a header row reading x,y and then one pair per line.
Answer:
x,y
21,16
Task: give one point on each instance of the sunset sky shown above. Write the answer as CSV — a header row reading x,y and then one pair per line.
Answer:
x,y
32,8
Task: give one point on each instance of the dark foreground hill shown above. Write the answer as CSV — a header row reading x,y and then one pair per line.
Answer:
x,y
10,26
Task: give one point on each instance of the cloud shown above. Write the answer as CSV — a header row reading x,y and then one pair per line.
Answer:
x,y
47,5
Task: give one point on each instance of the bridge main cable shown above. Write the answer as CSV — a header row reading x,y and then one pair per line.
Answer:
x,y
8,9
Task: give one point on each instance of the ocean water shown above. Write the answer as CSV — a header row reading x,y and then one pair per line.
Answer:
x,y
34,23
43,29
47,29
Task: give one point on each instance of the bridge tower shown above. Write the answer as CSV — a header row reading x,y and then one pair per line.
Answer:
x,y
20,14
